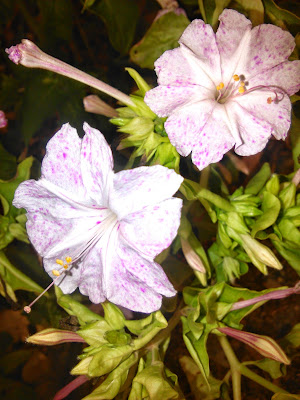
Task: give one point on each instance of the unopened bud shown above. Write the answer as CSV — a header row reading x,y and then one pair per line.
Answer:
x,y
192,257
263,344
259,254
3,120
94,104
51,337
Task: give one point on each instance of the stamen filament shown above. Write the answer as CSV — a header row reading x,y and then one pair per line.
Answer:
x,y
27,309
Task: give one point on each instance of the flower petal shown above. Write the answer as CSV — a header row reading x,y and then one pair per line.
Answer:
x,y
52,217
254,132
232,37
181,66
268,46
127,290
206,133
96,164
199,38
285,76
163,100
152,229
276,114
61,164
140,187
146,271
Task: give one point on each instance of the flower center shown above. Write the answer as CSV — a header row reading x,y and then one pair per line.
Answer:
x,y
238,87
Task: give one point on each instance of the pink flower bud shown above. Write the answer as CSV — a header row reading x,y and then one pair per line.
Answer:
x,y
94,104
3,120
263,344
51,337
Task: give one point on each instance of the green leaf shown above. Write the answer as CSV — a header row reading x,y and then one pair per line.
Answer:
x,y
293,337
141,83
290,254
270,207
273,185
94,333
108,358
258,181
113,315
285,396
113,383
163,35
287,196
18,232
289,232
274,368
120,18
8,188
197,348
8,164
254,10
282,18
154,379
73,307
211,9
159,322
294,134
15,278
197,383
136,392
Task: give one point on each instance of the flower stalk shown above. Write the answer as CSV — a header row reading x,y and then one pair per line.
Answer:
x,y
29,55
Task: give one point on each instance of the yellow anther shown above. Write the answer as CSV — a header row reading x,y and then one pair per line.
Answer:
x,y
55,272
242,83
69,259
59,262
66,266
220,86
269,100
241,90
236,77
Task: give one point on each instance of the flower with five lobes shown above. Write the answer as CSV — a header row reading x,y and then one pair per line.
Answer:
x,y
226,89
99,230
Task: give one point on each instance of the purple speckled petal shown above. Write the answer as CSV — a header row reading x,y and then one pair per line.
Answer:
x,y
163,100
184,126
216,137
147,272
54,220
199,39
285,76
276,114
268,46
232,36
140,187
129,291
96,164
254,132
61,164
152,229
181,66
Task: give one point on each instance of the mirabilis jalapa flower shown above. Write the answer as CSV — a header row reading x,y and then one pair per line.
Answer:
x,y
99,230
226,89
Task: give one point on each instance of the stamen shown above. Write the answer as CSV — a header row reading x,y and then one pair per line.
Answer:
x,y
55,272
59,262
220,86
236,77
66,266
241,89
242,83
27,309
269,100
69,260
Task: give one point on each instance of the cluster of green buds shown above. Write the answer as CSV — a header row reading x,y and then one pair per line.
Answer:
x,y
266,209
219,310
145,130
127,355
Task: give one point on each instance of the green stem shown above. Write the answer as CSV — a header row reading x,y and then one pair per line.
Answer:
x,y
260,380
234,367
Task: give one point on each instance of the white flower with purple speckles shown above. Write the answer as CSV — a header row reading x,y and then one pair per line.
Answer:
x,y
226,89
98,230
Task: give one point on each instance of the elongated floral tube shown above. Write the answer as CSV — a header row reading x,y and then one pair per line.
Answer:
x,y
52,337
274,295
94,104
263,344
29,55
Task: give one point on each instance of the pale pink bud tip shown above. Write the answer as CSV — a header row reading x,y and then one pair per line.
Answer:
x,y
14,54
3,120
